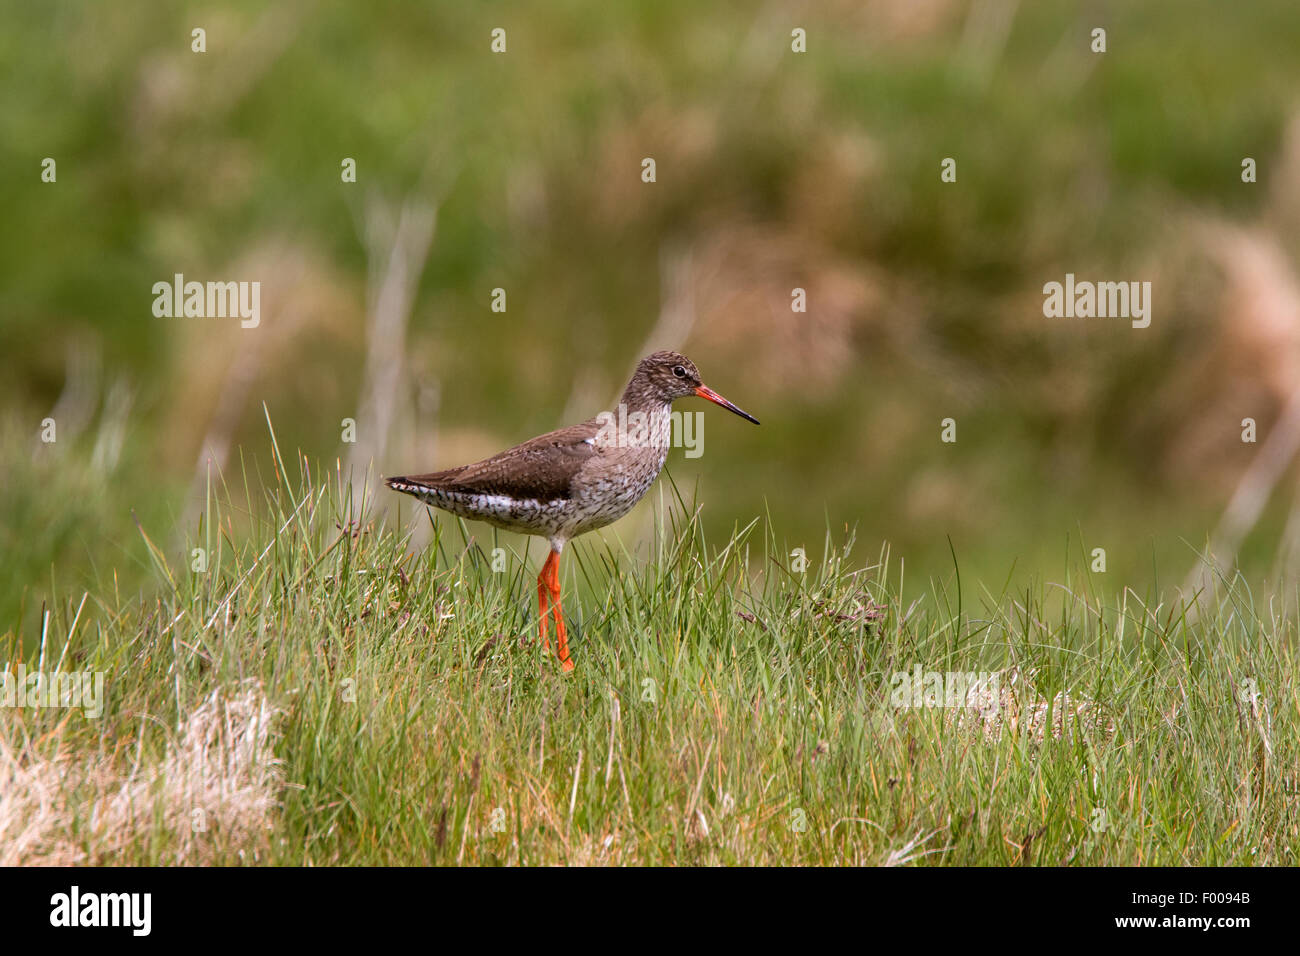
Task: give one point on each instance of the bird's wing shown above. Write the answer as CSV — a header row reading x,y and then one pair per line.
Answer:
x,y
540,468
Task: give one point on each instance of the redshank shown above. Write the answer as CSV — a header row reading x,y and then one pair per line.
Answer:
x,y
574,480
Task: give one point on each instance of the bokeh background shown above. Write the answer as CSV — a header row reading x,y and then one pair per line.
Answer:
x,y
775,170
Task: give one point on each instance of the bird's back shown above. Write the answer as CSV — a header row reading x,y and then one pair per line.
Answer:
x,y
563,483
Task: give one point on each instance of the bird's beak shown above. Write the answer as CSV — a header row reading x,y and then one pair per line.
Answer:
x,y
705,392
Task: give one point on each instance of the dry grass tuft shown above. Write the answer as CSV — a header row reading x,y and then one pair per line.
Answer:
x,y
211,795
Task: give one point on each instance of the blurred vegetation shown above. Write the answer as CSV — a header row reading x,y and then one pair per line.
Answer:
x,y
774,170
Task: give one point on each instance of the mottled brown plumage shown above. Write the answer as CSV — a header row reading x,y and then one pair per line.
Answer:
x,y
575,479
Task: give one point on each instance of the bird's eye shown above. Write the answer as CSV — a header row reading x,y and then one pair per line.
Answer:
x,y
679,371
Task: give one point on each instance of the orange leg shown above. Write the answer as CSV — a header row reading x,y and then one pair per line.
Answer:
x,y
549,585
543,588
561,634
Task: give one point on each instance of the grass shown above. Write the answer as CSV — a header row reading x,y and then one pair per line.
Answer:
x,y
321,695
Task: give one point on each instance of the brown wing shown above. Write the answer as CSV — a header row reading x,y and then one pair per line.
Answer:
x,y
540,468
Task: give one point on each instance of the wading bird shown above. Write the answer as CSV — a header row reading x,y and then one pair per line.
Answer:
x,y
574,480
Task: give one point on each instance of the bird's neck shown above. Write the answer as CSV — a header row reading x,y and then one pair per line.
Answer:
x,y
638,398
639,420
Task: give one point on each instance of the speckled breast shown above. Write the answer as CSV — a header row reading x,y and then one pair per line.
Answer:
x,y
612,487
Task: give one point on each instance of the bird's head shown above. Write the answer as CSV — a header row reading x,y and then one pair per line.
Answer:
x,y
667,375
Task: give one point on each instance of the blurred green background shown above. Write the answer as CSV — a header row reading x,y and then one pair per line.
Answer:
x,y
775,170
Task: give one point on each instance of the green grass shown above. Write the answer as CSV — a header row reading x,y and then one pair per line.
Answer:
x,y
721,699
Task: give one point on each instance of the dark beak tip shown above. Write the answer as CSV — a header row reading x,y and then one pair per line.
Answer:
x,y
705,392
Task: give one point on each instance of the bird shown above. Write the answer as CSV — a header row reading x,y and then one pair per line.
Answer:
x,y
573,480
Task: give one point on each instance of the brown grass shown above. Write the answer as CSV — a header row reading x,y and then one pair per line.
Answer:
x,y
211,796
